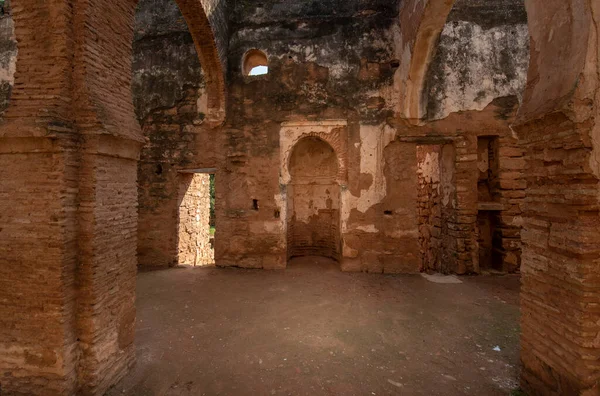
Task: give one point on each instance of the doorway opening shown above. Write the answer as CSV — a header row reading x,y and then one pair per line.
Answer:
x,y
435,176
489,235
196,226
313,220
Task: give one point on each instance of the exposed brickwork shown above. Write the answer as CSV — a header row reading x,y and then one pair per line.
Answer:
x,y
8,57
199,17
70,129
38,261
560,298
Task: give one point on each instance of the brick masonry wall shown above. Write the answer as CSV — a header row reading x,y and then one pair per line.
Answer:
x,y
38,238
559,342
176,141
217,13
313,208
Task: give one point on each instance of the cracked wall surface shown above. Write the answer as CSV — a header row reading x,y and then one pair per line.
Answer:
x,y
482,54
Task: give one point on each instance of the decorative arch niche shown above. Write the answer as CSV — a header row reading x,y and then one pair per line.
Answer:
x,y
313,207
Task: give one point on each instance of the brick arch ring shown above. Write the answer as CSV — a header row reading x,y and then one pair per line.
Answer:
x,y
334,140
197,17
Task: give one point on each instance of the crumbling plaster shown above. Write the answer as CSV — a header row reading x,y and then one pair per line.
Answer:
x,y
474,65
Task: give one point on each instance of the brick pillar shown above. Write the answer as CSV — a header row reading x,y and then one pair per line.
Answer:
x,y
68,200
461,248
560,295
38,197
560,131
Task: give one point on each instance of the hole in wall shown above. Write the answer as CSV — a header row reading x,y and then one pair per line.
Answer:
x,y
255,63
159,169
394,64
255,204
387,212
276,214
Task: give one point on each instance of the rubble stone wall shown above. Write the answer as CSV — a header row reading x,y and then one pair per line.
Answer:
x,y
194,236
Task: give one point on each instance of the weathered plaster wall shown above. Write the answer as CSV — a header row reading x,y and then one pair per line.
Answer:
x,y
482,54
330,62
348,98
165,62
8,58
217,12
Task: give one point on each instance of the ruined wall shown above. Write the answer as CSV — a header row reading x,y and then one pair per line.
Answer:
x,y
323,74
170,99
193,228
482,54
330,63
8,57
324,80
458,135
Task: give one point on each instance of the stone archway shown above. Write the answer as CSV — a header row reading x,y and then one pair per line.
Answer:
x,y
69,231
558,125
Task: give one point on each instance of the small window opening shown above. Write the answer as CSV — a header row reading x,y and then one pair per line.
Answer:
x,y
255,63
255,204
259,71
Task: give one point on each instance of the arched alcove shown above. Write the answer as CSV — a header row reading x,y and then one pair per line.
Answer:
x,y
255,63
313,222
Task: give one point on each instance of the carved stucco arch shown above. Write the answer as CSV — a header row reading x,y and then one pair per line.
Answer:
x,y
333,138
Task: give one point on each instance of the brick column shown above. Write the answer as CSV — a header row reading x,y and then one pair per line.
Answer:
x,y
68,200
560,131
560,295
460,245
38,197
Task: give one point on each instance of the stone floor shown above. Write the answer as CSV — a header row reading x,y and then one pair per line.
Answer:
x,y
312,330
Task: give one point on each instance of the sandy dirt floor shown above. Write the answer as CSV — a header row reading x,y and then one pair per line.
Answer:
x,y
313,330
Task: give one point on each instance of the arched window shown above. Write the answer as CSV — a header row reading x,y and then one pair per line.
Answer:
x,y
255,63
